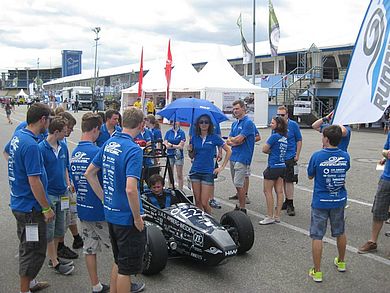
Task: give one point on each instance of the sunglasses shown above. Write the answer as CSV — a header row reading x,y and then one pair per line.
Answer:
x,y
203,122
281,115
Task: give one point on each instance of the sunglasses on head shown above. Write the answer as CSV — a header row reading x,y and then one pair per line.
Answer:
x,y
204,122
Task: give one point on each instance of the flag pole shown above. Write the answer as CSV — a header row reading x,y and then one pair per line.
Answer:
x,y
254,42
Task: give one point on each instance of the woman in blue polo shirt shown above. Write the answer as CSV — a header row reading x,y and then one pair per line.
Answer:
x,y
275,147
203,145
174,140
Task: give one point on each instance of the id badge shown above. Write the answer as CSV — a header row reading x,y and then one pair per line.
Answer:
x,y
64,203
73,207
296,169
32,233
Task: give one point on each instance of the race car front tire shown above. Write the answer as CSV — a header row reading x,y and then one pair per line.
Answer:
x,y
156,252
242,232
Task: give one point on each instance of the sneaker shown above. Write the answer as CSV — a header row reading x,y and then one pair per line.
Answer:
x,y
78,243
233,197
39,286
63,270
247,200
339,264
105,289
290,210
284,206
368,247
66,252
267,220
277,219
387,221
316,276
387,233
237,208
61,261
137,287
215,204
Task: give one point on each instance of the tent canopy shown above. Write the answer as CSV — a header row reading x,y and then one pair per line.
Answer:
x,y
21,94
184,78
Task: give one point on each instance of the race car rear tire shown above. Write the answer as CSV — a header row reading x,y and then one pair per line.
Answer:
x,y
156,252
243,233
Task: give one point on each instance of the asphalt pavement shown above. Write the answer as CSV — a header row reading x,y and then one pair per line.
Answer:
x,y
281,256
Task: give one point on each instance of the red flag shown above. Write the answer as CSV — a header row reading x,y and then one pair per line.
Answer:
x,y
168,68
141,73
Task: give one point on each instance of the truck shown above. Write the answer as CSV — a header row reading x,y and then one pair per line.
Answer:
x,y
82,94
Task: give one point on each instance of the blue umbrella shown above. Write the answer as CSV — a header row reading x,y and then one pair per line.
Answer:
x,y
189,109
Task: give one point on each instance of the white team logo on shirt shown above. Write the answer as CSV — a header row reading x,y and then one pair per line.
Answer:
x,y
79,157
113,148
334,161
14,143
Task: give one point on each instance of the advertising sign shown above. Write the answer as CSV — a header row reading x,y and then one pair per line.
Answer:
x,y
229,97
71,62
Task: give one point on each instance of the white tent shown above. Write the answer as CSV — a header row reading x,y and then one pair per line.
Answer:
x,y
223,85
21,94
185,82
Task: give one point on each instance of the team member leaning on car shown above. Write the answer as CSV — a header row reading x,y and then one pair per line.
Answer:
x,y
120,160
202,146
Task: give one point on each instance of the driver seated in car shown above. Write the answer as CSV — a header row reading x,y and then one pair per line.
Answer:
x,y
157,195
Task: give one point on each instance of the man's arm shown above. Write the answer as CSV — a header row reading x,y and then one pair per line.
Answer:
x,y
39,194
132,197
266,149
5,155
299,148
92,176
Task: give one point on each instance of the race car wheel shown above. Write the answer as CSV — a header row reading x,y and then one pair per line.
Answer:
x,y
240,229
156,251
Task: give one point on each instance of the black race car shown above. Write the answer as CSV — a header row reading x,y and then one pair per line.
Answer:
x,y
182,229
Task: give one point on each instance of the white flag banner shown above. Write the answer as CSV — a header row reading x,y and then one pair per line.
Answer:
x,y
366,90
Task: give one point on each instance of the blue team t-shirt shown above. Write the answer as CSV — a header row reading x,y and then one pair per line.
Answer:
x,y
105,135
174,138
329,167
243,153
89,206
156,134
55,165
147,136
278,145
293,136
204,153
25,159
343,145
119,158
386,172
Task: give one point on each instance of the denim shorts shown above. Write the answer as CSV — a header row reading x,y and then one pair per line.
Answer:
x,y
203,178
173,161
56,228
319,221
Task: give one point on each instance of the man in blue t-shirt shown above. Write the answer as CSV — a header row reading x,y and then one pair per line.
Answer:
x,y
294,146
89,205
28,185
380,208
120,161
328,167
56,161
242,141
108,128
321,123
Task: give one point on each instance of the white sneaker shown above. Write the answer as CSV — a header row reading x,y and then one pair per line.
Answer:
x,y
267,220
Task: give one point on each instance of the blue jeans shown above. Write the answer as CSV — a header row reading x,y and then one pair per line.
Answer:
x,y
319,221
56,228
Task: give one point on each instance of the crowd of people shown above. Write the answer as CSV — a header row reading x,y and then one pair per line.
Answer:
x,y
98,184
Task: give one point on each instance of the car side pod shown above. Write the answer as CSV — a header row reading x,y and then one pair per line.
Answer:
x,y
240,229
156,250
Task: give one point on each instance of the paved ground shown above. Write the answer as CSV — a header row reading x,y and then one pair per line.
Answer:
x,y
281,256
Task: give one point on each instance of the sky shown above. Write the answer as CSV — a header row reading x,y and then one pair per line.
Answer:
x,y
32,29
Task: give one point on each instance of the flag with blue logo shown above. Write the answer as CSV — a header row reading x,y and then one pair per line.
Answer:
x,y
365,93
247,53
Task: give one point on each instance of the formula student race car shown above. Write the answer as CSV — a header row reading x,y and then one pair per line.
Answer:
x,y
182,229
